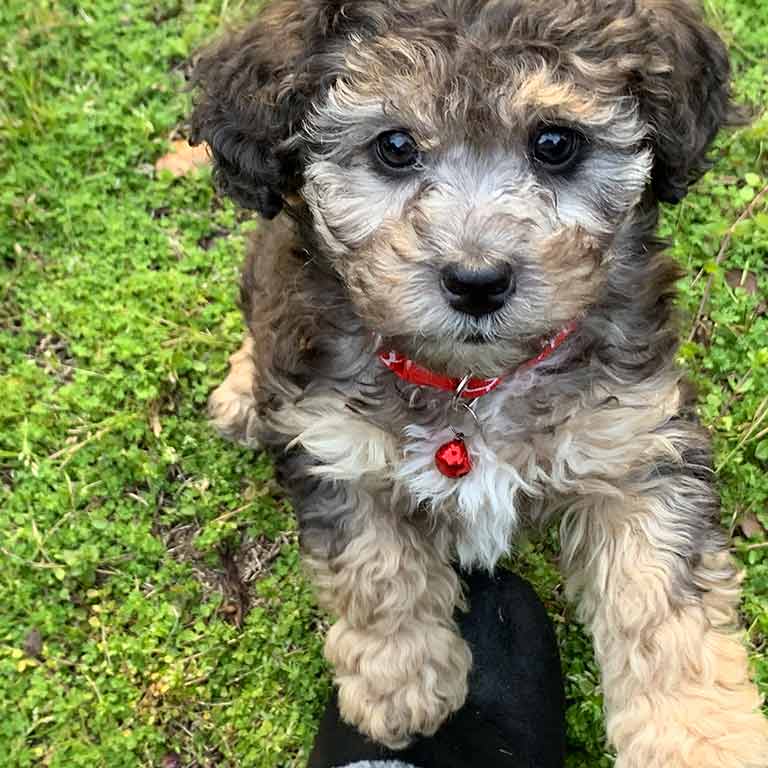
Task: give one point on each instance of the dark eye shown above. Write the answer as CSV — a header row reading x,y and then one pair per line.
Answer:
x,y
397,149
556,148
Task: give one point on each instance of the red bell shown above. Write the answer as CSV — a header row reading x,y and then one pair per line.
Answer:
x,y
452,458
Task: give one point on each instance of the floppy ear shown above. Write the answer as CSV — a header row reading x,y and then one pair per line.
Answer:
x,y
254,88
685,93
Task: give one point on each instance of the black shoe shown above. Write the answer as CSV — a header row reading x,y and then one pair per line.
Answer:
x,y
514,713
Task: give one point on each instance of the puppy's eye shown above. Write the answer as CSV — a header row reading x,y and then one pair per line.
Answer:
x,y
397,149
557,149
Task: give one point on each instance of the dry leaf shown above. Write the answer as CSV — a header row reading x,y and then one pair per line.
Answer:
x,y
33,644
734,278
183,158
172,760
154,418
751,526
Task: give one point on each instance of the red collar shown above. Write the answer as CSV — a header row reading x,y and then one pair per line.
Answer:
x,y
473,388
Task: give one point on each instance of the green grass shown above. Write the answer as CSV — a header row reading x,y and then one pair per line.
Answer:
x,y
129,534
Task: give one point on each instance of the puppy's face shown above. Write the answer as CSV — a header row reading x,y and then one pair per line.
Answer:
x,y
478,172
470,198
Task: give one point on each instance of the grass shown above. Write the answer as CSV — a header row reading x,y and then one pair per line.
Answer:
x,y
131,539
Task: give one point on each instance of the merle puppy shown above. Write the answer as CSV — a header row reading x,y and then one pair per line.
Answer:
x,y
462,324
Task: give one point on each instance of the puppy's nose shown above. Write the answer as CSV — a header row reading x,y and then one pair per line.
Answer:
x,y
478,292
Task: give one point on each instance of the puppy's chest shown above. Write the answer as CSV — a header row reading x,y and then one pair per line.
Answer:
x,y
484,504
391,444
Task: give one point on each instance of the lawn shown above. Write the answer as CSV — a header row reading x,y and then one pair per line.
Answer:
x,y
152,610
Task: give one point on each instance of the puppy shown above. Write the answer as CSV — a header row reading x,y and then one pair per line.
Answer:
x,y
463,324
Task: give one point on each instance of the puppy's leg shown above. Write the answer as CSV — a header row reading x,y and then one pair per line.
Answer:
x,y
232,406
400,663
660,595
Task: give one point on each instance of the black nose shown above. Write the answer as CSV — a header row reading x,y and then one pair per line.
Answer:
x,y
478,291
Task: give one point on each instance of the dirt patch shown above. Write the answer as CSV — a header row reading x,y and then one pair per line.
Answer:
x,y
162,12
206,241
53,355
240,565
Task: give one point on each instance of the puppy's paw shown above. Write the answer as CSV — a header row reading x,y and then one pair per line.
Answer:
x,y
232,406
233,415
396,687
704,732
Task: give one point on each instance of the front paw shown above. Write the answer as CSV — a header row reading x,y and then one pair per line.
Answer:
x,y
395,687
232,405
690,732
233,415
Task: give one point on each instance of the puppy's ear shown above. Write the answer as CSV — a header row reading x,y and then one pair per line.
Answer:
x,y
685,94
254,88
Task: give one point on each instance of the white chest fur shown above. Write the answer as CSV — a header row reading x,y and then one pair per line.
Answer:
x,y
483,501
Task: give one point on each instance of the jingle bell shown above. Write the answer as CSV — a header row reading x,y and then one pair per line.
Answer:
x,y
452,458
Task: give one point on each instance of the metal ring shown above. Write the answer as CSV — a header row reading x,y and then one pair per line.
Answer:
x,y
461,426
460,387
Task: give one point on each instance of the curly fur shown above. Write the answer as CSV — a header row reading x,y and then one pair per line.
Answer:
x,y
598,434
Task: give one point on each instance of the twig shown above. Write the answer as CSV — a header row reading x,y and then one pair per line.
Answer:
x,y
761,413
110,423
735,395
750,547
29,563
745,214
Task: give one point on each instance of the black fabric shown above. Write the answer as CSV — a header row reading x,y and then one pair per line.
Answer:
x,y
514,714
